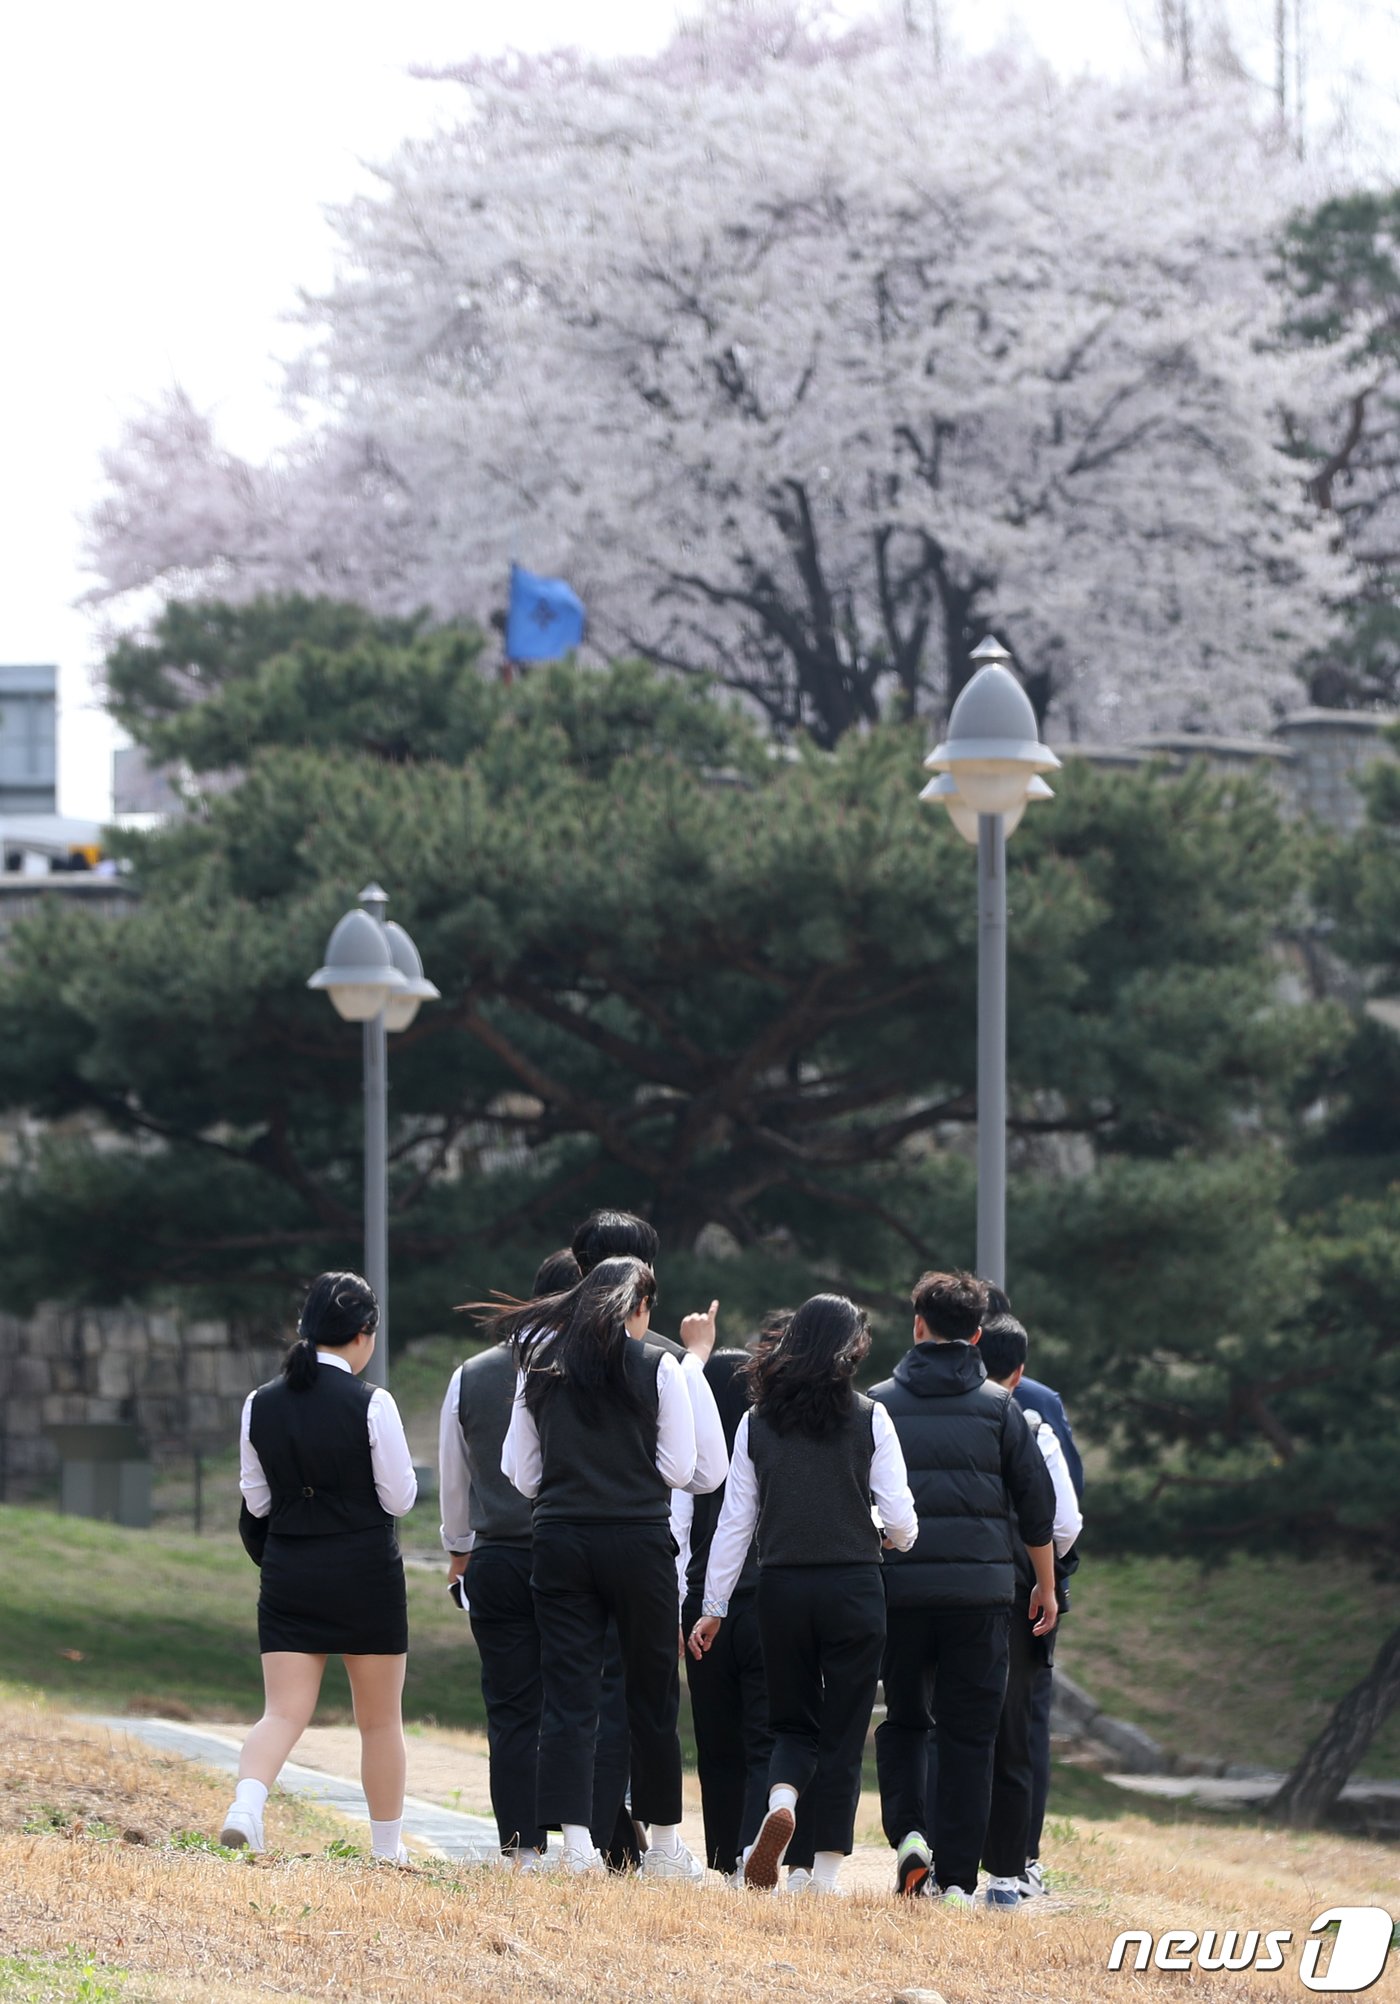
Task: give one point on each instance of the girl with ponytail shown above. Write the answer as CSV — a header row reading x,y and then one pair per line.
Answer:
x,y
601,1432
325,1465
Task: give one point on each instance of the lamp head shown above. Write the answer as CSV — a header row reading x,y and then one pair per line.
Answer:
x,y
993,748
359,972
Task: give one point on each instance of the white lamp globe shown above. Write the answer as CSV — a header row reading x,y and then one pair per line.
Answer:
x,y
359,974
992,750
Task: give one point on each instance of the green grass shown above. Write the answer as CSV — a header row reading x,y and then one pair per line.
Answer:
x,y
1239,1663
72,1978
95,1616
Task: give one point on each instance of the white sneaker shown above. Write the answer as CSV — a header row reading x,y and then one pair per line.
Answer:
x,y
1032,1881
677,1864
242,1831
588,1864
735,1879
534,1861
399,1857
799,1880
1002,1892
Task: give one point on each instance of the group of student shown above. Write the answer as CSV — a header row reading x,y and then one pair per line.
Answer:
x,y
614,1501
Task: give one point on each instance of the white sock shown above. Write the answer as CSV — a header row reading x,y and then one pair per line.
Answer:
x,y
666,1837
780,1796
250,1795
577,1837
384,1837
826,1868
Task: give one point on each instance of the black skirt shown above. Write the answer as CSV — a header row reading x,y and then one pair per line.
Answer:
x,y
341,1594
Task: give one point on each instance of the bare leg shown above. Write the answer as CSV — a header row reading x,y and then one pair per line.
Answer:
x,y
376,1684
292,1684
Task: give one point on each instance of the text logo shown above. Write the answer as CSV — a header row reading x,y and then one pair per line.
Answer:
x,y
1359,1939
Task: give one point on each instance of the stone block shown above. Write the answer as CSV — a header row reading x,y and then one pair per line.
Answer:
x,y
206,1335
1135,1751
65,1375
1072,1710
23,1418
160,1375
201,1372
233,1375
164,1332
208,1415
65,1409
32,1375
116,1375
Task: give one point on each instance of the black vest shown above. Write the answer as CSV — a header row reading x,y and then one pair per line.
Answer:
x,y
500,1515
314,1448
814,1493
950,1423
598,1458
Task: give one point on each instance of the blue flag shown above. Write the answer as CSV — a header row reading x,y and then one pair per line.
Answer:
x,y
545,618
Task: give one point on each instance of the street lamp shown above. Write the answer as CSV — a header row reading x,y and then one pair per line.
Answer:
x,y
374,977
989,769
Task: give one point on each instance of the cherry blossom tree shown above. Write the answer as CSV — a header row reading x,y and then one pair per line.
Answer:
x,y
810,358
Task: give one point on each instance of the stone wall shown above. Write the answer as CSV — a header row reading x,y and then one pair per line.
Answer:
x,y
181,1382
1313,759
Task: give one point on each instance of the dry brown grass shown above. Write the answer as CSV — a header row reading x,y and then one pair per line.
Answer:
x,y
202,1928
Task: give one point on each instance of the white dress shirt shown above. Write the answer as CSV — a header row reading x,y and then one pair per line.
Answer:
x,y
889,1485
682,1518
454,1473
1069,1519
394,1480
675,1436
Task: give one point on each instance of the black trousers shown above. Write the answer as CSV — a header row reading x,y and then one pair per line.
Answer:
x,y
823,1631
949,1665
733,1744
610,1824
502,1614
583,1573
1004,1851
1042,1687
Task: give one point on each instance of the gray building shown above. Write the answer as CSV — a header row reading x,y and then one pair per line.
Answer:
x,y
28,740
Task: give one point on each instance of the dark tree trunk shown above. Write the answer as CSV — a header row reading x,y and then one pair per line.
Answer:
x,y
1323,1772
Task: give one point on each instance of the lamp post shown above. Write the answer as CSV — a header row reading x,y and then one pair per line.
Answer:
x,y
374,976
989,769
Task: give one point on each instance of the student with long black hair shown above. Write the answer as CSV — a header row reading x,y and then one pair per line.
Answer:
x,y
809,1459
325,1463
600,1434
611,1234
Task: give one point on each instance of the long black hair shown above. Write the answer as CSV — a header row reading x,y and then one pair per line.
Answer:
x,y
801,1376
338,1307
579,1336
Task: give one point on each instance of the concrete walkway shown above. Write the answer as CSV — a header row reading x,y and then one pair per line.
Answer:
x,y
449,1832
1241,1791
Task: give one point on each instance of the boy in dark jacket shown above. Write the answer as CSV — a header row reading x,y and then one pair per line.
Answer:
x,y
973,1467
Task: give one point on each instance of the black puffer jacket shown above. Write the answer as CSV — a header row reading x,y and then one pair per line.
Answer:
x,y
973,1466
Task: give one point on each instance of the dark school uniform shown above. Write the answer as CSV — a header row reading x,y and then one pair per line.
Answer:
x,y
600,1475
332,1577
820,1602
